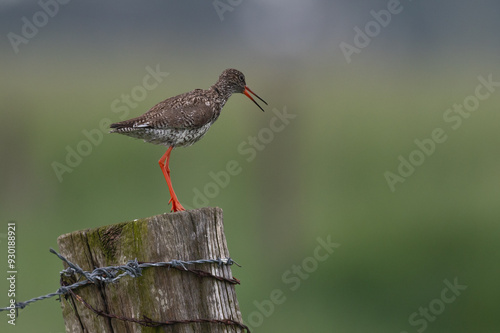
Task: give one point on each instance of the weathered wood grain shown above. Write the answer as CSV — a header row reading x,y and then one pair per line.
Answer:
x,y
160,293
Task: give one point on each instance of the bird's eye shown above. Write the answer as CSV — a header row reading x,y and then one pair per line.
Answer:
x,y
242,78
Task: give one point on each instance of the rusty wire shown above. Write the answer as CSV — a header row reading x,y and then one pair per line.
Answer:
x,y
133,268
148,322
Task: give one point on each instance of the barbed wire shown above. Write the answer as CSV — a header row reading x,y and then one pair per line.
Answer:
x,y
133,268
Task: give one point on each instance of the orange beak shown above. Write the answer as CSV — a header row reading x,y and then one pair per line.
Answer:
x,y
247,92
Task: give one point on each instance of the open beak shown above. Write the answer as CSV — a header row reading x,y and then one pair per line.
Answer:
x,y
247,92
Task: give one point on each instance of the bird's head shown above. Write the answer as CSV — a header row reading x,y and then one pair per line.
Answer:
x,y
232,80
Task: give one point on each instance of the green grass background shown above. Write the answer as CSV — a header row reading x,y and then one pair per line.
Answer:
x,y
322,176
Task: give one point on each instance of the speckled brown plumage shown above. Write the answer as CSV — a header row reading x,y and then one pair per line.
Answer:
x,y
182,120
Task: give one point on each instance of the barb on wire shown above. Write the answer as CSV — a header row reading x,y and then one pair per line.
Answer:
x,y
112,274
181,265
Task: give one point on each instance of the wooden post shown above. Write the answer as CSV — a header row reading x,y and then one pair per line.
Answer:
x,y
161,294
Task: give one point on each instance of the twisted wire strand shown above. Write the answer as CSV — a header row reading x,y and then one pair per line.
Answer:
x,y
111,274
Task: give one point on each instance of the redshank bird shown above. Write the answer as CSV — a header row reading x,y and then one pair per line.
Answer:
x,y
182,120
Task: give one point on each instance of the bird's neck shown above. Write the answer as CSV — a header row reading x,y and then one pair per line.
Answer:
x,y
222,92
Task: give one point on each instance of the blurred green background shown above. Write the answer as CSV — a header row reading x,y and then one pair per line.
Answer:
x,y
321,177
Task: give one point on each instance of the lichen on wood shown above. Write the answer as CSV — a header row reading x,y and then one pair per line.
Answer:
x,y
161,294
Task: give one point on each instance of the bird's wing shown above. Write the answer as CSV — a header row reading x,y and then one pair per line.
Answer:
x,y
196,113
175,112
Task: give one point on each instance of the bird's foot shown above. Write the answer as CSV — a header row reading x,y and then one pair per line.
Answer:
x,y
176,205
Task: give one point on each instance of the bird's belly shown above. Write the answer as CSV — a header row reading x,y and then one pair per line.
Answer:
x,y
171,136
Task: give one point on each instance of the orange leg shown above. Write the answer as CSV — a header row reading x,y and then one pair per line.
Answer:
x,y
176,205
